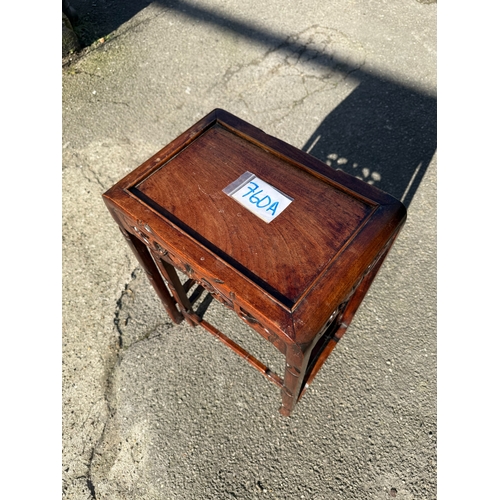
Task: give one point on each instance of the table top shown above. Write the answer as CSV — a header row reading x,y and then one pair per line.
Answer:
x,y
333,227
285,255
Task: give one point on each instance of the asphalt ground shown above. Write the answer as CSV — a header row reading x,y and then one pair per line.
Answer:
x,y
153,410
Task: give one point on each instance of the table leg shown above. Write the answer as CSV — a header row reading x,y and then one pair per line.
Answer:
x,y
295,369
144,258
170,274
338,328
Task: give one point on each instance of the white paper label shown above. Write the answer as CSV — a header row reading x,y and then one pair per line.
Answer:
x,y
256,195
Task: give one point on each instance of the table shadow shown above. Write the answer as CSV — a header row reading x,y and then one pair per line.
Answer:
x,y
382,133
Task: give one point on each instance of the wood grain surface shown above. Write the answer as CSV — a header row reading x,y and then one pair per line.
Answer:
x,y
290,252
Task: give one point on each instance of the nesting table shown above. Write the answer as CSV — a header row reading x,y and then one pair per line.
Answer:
x,y
285,241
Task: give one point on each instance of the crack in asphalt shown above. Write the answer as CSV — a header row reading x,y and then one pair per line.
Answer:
x,y
300,55
120,304
109,393
110,389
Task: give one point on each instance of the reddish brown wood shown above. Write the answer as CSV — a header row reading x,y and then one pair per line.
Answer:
x,y
197,177
297,281
144,258
334,333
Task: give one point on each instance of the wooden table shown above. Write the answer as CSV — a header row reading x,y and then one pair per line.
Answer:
x,y
285,241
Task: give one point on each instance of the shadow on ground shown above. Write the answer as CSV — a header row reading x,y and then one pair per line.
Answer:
x,y
383,132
